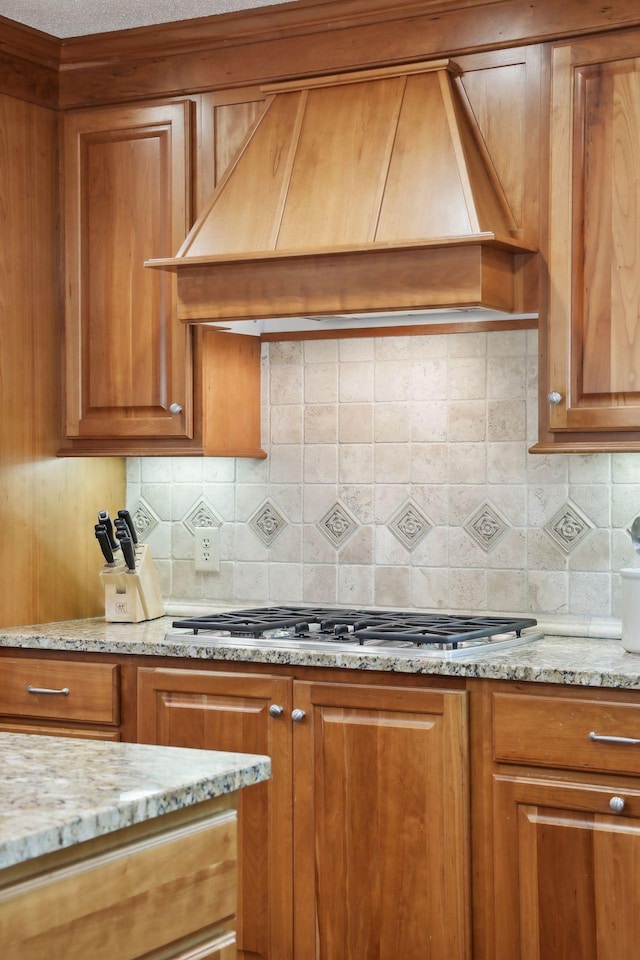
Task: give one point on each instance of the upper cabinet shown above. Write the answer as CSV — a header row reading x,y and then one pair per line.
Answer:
x,y
137,379
593,343
126,193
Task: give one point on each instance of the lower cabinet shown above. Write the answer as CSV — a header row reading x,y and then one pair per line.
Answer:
x,y
566,826
358,846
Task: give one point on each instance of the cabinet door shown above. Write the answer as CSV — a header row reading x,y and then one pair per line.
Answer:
x,y
126,182
594,305
381,866
225,711
566,871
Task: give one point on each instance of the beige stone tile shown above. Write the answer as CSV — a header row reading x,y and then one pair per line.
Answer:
x,y
286,352
321,423
429,588
286,384
287,547
286,423
393,348
391,422
355,463
320,463
506,378
625,503
507,343
356,382
510,553
506,420
356,349
285,463
252,582
429,463
388,549
429,421
590,594
320,351
433,549
317,498
319,583
355,584
547,592
467,378
507,462
392,380
358,549
392,462
321,383
547,468
591,468
543,553
392,587
594,553
429,379
506,591
467,463
473,344
355,423
285,583
316,548
467,421
358,498
467,590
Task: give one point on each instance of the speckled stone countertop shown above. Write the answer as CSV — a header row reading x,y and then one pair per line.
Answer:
x,y
584,661
56,792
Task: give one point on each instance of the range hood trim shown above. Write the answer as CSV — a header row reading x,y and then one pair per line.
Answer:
x,y
485,239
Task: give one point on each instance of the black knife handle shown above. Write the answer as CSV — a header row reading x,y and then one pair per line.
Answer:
x,y
128,552
103,539
126,516
105,520
122,530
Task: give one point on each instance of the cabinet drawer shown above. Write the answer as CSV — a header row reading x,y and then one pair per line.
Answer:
x,y
58,690
158,896
554,732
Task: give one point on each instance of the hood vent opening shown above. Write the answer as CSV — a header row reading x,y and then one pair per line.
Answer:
x,y
366,193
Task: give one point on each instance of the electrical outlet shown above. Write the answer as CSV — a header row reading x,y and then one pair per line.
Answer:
x,y
207,549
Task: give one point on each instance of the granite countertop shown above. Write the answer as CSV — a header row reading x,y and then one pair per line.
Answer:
x,y
56,792
596,660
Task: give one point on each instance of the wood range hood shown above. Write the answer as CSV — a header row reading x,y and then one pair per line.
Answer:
x,y
355,198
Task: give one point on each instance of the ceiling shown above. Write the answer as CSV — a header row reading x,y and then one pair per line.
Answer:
x,y
75,18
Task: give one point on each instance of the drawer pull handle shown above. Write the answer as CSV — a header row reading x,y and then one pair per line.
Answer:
x,y
62,692
616,804
597,738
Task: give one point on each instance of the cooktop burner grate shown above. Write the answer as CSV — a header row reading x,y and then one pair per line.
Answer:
x,y
358,626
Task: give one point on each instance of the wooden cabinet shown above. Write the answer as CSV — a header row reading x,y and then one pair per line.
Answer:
x,y
593,337
566,822
372,782
126,185
381,859
138,381
231,711
165,889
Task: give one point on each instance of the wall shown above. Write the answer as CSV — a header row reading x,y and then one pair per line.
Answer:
x,y
48,560
398,475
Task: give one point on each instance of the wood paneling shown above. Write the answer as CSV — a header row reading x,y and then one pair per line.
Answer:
x,y
29,63
49,560
309,37
36,688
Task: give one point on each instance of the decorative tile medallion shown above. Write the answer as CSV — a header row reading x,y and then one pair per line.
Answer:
x,y
409,524
144,519
337,524
267,522
487,526
201,514
568,527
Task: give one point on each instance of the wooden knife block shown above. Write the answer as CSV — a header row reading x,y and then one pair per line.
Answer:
x,y
132,596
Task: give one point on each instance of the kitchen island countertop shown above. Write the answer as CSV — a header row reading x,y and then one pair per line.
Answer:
x,y
56,792
583,661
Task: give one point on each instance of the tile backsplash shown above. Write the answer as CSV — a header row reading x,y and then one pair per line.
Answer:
x,y
398,474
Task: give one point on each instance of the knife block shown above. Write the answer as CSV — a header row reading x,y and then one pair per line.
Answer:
x,y
132,596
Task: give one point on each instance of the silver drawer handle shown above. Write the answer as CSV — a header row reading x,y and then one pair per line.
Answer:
x,y
63,692
597,738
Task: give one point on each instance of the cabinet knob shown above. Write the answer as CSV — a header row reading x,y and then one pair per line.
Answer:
x,y
275,710
175,408
298,715
616,804
554,397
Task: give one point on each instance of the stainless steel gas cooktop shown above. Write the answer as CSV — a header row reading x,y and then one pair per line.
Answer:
x,y
363,631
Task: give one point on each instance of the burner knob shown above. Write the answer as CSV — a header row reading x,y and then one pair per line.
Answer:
x,y
298,715
275,710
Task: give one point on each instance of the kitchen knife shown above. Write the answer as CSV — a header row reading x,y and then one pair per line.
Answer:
x,y
105,544
128,552
126,516
105,520
122,530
